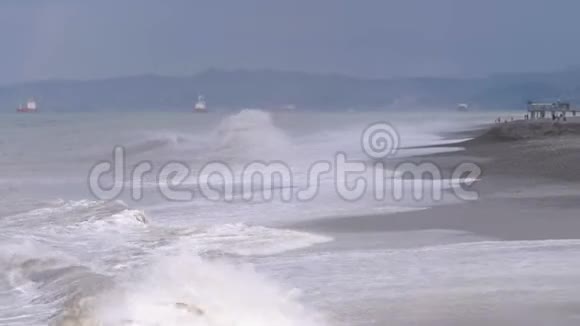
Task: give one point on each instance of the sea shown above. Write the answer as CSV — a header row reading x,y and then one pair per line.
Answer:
x,y
162,252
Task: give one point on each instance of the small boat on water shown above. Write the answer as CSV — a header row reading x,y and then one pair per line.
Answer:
x,y
462,107
30,107
200,105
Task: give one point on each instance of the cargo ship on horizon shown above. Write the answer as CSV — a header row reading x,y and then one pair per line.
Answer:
x,y
30,107
200,106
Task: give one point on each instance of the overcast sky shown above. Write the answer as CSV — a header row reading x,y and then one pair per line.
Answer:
x,y
43,39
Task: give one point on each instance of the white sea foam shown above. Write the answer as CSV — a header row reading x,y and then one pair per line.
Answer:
x,y
244,240
251,134
19,259
77,226
35,281
183,290
150,263
78,213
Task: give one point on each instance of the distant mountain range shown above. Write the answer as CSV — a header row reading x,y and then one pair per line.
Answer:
x,y
271,89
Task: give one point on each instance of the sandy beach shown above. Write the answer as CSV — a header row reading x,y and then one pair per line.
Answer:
x,y
524,182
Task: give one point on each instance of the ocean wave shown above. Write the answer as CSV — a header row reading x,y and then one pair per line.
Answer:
x,y
75,263
250,134
85,217
159,140
21,261
62,213
36,281
183,290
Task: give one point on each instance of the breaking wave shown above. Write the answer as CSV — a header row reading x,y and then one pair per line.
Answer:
x,y
101,263
158,141
251,134
183,290
37,281
62,213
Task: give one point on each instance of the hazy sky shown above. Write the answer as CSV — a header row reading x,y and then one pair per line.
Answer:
x,y
43,39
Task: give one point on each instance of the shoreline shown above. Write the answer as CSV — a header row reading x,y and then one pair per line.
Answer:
x,y
529,190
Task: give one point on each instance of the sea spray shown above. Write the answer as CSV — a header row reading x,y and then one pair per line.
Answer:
x,y
185,290
251,134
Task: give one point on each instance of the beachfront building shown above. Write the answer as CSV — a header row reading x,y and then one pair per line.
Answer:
x,y
557,109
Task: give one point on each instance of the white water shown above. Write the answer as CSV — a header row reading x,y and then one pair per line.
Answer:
x,y
69,259
71,247
185,290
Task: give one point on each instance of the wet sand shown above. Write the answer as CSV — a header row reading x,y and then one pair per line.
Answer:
x,y
529,190
502,219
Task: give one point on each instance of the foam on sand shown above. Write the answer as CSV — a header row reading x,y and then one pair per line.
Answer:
x,y
244,240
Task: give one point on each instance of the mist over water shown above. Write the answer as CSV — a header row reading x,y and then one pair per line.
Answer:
x,y
67,258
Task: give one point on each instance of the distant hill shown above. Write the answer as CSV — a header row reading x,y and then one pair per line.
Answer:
x,y
274,89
